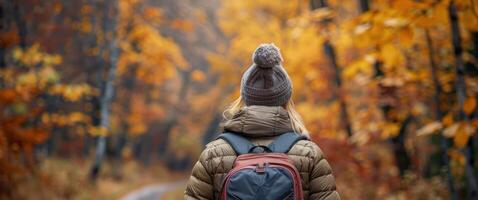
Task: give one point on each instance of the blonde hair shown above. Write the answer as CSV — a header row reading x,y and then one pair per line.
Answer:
x,y
295,119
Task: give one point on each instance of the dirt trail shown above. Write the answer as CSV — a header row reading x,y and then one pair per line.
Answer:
x,y
153,192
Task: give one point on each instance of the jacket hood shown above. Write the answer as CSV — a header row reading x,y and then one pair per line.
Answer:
x,y
260,121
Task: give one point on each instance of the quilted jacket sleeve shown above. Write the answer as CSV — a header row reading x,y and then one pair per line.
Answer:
x,y
322,182
200,184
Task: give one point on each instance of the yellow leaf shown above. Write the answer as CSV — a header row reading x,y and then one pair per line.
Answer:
x,y
469,105
98,130
77,117
429,128
391,56
390,130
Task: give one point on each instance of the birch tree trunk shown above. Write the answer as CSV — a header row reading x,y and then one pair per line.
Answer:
x,y
109,24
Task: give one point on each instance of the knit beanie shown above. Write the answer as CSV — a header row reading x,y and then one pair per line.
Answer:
x,y
266,82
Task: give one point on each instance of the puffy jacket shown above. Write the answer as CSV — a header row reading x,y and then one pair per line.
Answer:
x,y
261,124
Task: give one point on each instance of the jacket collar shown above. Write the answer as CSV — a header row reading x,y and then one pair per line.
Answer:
x,y
260,121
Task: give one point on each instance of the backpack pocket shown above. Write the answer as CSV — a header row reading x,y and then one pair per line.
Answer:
x,y
273,183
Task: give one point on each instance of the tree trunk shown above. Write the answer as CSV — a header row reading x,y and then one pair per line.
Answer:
x,y
364,6
109,25
10,14
438,117
401,155
21,24
339,93
143,146
161,139
461,95
3,28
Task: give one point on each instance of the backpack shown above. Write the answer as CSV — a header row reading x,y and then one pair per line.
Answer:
x,y
262,172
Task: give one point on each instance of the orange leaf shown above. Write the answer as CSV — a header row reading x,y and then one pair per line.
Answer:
x,y
448,119
461,137
469,105
406,37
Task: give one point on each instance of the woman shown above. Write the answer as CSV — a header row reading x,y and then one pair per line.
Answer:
x,y
263,111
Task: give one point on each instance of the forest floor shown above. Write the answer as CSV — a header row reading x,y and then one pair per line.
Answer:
x,y
59,178
157,191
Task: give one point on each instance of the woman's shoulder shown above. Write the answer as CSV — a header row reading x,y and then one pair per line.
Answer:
x,y
217,148
306,148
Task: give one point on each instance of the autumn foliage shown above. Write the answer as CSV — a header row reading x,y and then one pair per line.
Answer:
x,y
388,89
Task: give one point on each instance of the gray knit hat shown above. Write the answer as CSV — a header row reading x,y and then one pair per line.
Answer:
x,y
266,82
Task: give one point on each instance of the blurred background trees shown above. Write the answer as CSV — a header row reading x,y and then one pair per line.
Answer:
x,y
90,88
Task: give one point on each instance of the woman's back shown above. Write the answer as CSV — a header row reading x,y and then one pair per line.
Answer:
x,y
261,124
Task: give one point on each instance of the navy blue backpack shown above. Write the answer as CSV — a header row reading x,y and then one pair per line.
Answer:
x,y
262,172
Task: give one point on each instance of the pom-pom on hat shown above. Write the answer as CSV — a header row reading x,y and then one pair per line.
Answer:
x,y
266,82
267,56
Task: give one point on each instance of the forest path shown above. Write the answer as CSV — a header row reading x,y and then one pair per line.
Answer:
x,y
152,192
